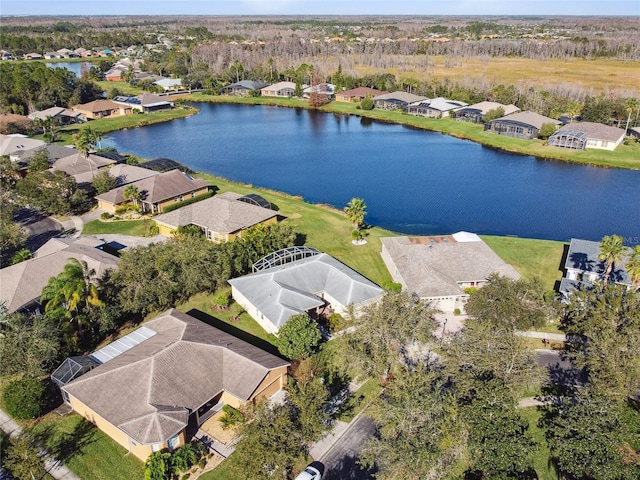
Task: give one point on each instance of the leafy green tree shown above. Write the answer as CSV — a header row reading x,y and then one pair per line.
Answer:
x,y
512,304
12,235
24,399
384,331
22,459
633,267
271,443
607,320
356,210
498,436
50,192
366,103
594,438
103,181
546,130
182,459
631,105
9,173
419,432
298,337
494,114
40,160
85,141
133,194
27,345
611,251
310,400
21,255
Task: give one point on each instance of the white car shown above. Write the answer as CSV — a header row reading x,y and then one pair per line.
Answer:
x,y
309,473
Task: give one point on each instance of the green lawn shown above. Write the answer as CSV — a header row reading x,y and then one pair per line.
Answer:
x,y
541,458
137,228
532,258
87,451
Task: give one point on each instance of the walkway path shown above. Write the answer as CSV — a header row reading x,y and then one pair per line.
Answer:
x,y
556,337
54,467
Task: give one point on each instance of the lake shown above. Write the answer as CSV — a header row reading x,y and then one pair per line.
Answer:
x,y
75,67
413,181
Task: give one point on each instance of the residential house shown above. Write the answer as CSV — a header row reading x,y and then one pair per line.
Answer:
x,y
55,152
280,89
358,94
51,55
15,142
583,267
396,100
21,284
154,389
583,135
126,174
168,84
634,132
324,89
435,108
316,283
157,191
6,55
475,113
101,109
439,268
525,125
82,169
242,88
222,218
114,74
32,56
146,102
62,116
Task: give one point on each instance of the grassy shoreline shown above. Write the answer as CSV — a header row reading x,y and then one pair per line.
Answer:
x,y
625,156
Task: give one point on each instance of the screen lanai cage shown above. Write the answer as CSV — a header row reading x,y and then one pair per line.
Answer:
x,y
568,139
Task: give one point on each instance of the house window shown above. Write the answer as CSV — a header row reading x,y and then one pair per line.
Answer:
x,y
65,396
174,442
155,447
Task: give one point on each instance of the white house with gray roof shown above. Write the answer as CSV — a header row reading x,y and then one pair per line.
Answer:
x,y
439,268
434,108
583,135
271,296
396,100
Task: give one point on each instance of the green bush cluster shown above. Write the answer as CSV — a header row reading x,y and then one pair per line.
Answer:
x,y
184,203
231,417
24,399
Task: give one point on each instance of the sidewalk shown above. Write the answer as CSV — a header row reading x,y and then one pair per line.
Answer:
x,y
54,467
556,337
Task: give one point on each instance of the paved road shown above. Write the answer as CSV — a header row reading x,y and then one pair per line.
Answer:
x,y
561,371
341,460
40,227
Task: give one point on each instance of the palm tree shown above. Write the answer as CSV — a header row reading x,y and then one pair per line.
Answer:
x,y
611,250
630,106
356,210
85,141
633,267
132,194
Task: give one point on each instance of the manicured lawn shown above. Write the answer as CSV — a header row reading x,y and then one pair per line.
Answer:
x,y
137,228
367,392
541,458
532,258
86,450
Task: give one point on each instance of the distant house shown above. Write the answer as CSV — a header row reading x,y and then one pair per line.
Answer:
x,y
63,116
6,55
323,89
524,125
32,56
358,94
316,283
146,102
157,192
153,389
583,267
55,152
583,135
102,109
168,84
435,108
396,100
51,55
242,88
126,174
475,113
114,74
22,283
221,218
634,132
13,143
82,169
280,89
439,268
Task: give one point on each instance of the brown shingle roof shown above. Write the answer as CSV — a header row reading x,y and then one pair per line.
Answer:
x,y
96,106
529,118
221,214
146,389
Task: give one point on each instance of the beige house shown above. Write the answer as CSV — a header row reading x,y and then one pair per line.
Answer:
x,y
358,94
439,268
157,191
280,89
101,109
178,374
583,135
222,218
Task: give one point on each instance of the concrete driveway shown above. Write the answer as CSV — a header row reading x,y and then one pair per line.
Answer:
x,y
40,228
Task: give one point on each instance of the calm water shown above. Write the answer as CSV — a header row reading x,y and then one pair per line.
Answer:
x,y
412,181
75,67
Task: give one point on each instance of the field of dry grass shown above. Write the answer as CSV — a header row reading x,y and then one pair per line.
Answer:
x,y
599,75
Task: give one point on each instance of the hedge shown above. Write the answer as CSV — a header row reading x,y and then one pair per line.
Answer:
x,y
184,203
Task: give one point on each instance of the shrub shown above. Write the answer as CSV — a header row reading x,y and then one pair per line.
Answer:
x,y
366,103
231,417
184,203
25,398
152,230
299,337
393,287
122,210
335,322
222,299
456,311
106,216
470,290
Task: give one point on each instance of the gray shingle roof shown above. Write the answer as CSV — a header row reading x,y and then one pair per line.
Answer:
x,y
81,168
528,118
222,214
433,269
401,96
282,291
484,107
22,283
148,390
595,131
583,256
247,84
